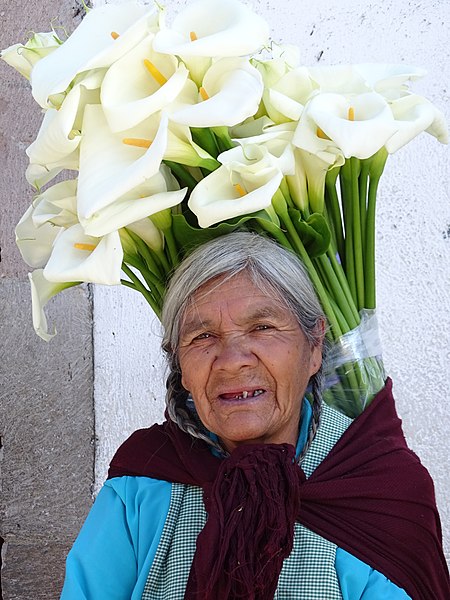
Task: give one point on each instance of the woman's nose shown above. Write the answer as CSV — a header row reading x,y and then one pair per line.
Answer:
x,y
234,353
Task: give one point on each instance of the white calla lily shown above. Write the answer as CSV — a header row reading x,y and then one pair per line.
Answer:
x,y
213,28
245,183
60,131
414,114
276,139
286,90
104,35
311,171
390,80
110,168
143,201
182,149
358,125
262,130
23,57
80,257
148,232
39,175
35,243
339,79
140,84
41,292
232,89
57,205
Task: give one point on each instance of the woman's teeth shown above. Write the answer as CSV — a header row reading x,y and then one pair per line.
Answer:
x,y
246,394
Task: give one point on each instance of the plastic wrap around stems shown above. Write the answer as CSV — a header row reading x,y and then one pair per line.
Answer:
x,y
353,368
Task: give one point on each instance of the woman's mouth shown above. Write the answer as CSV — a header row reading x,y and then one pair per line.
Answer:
x,y
242,394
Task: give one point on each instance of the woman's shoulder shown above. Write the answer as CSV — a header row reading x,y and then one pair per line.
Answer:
x,y
133,455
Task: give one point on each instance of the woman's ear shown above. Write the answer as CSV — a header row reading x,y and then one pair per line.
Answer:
x,y
316,351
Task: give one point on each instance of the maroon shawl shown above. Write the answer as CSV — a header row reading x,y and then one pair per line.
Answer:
x,y
371,496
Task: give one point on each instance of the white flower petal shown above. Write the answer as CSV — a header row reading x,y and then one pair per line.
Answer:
x,y
148,232
130,93
23,57
215,199
91,46
35,243
57,205
372,127
56,138
109,168
245,183
79,257
413,114
234,88
41,292
222,29
284,107
389,79
130,208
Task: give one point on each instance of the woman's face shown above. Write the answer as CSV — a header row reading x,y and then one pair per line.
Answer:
x,y
246,363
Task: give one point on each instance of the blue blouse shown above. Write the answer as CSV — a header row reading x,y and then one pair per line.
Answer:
x,y
114,551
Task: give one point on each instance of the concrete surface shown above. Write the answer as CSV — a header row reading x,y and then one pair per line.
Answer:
x,y
46,390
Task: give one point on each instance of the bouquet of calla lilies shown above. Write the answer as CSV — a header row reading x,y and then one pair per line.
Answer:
x,y
167,135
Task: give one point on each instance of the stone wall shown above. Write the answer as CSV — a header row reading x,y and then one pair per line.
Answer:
x,y
46,390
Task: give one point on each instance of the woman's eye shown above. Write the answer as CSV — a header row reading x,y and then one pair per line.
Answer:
x,y
262,327
202,336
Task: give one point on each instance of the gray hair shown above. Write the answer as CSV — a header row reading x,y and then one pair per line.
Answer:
x,y
271,268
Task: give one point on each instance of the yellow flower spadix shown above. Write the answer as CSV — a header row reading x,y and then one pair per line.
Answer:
x,y
240,190
138,142
88,247
203,93
154,72
321,134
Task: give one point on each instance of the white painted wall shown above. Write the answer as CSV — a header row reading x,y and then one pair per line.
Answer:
x,y
413,241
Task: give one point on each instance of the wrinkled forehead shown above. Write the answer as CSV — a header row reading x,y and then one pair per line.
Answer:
x,y
226,286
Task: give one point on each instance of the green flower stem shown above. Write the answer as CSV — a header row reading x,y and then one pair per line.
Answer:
x,y
363,181
154,283
337,268
163,260
284,189
153,265
223,138
346,194
279,203
339,315
376,169
171,246
357,242
276,233
338,293
332,204
182,174
204,138
137,285
350,377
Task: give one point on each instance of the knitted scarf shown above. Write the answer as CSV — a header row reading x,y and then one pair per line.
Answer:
x,y
371,496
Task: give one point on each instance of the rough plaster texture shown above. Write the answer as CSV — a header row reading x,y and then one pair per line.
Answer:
x,y
46,390
47,429
413,237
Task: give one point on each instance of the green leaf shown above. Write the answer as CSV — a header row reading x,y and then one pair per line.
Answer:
x,y
189,235
314,232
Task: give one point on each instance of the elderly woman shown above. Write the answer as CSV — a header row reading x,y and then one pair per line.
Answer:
x,y
249,490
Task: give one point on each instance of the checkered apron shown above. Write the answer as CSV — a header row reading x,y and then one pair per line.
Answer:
x,y
307,574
